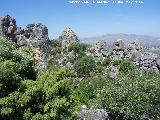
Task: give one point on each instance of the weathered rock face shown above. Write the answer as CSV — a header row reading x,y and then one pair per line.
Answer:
x,y
136,56
148,63
158,63
100,49
68,36
8,28
119,45
35,35
114,71
37,54
92,114
134,46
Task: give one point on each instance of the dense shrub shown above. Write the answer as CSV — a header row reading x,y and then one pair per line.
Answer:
x,y
84,66
22,57
77,47
132,96
106,62
58,94
46,98
9,79
125,65
15,64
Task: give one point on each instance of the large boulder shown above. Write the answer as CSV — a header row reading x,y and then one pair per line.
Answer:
x,y
114,71
119,45
92,114
158,63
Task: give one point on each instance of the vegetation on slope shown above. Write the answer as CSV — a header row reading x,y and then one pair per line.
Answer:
x,y
59,92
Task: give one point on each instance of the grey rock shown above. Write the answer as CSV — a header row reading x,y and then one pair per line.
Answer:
x,y
119,45
92,114
114,71
68,36
99,50
148,62
134,46
158,63
8,28
37,36
136,56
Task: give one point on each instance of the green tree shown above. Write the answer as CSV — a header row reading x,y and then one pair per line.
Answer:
x,y
9,79
46,98
125,65
106,62
15,64
23,57
84,66
77,47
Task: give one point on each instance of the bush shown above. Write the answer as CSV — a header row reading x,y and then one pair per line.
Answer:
x,y
77,47
46,98
125,65
132,96
23,57
9,79
84,66
106,62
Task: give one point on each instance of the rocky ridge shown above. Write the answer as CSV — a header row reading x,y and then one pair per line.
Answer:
x,y
34,35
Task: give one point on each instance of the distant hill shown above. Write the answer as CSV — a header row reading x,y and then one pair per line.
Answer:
x,y
144,40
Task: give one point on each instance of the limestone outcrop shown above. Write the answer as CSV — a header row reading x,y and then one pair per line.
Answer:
x,y
35,35
68,36
8,28
92,114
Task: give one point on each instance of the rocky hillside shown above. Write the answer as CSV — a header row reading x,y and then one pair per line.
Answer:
x,y
35,35
144,40
65,79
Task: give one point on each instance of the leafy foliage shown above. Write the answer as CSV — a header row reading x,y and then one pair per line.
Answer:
x,y
84,66
22,57
125,65
46,98
106,62
132,96
9,79
57,94
77,47
56,47
15,65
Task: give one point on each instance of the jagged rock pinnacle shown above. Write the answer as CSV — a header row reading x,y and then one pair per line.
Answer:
x,y
68,36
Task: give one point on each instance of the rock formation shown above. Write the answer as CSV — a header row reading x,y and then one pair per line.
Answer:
x,y
92,114
114,71
134,46
148,63
35,35
119,45
68,36
8,28
100,49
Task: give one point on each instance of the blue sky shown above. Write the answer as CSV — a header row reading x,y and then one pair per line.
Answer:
x,y
86,20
